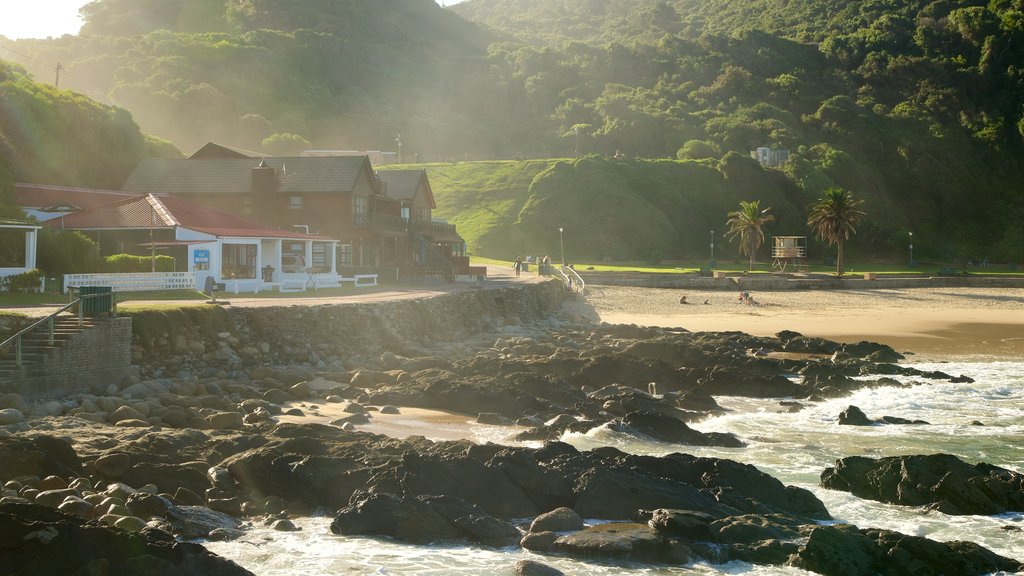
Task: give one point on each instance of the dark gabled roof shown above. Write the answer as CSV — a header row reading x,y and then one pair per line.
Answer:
x,y
212,150
150,211
43,195
296,175
405,184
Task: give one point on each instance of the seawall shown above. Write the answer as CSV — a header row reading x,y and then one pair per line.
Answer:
x,y
202,339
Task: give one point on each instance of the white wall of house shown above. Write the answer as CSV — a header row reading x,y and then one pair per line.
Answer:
x,y
31,241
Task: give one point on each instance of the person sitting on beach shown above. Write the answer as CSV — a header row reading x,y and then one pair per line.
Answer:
x,y
683,300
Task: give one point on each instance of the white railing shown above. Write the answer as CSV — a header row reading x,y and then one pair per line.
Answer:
x,y
134,281
571,279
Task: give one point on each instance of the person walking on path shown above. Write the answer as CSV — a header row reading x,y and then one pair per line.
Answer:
x,y
517,266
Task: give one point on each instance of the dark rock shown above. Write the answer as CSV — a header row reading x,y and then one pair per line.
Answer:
x,y
21,457
112,465
187,497
355,419
698,400
167,477
466,478
896,420
531,568
221,479
284,525
36,534
423,520
616,494
558,520
854,416
940,481
666,428
146,505
538,541
754,528
688,524
230,506
845,549
620,541
192,522
770,552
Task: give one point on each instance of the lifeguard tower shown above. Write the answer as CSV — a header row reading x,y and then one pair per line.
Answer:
x,y
788,251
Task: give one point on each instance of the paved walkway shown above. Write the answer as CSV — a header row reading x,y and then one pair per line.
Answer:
x,y
497,277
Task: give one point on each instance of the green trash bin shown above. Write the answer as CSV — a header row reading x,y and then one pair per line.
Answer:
x,y
99,304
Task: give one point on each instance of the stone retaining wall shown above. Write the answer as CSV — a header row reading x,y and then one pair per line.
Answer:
x,y
770,282
94,357
327,336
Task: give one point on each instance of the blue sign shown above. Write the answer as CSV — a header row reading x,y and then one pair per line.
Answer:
x,y
201,256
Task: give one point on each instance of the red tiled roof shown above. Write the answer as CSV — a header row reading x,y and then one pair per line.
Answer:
x,y
146,211
43,195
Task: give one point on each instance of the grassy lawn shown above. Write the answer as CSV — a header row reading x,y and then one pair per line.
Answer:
x,y
674,267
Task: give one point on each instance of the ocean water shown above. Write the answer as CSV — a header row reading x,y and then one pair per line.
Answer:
x,y
793,447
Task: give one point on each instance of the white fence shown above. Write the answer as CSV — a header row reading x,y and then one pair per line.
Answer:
x,y
134,281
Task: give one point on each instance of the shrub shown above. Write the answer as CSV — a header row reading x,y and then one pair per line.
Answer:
x,y
67,252
24,283
132,263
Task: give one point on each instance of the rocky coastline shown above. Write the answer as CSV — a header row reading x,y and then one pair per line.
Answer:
x,y
194,447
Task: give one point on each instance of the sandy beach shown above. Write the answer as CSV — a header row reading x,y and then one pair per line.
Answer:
x,y
941,323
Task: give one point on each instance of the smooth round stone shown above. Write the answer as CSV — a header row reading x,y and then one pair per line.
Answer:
x,y
76,507
11,416
130,524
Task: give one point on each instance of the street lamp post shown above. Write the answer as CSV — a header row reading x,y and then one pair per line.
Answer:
x,y
911,249
561,244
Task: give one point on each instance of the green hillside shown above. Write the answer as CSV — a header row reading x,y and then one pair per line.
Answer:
x,y
59,137
914,105
618,209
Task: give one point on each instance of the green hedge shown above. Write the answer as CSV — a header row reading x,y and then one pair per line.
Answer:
x,y
24,283
131,263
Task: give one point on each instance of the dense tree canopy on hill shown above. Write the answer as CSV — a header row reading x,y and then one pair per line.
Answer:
x,y
60,137
914,105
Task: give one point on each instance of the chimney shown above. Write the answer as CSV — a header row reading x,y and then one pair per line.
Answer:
x,y
264,192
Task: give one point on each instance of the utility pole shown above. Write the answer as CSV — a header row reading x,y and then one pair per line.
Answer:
x,y
56,80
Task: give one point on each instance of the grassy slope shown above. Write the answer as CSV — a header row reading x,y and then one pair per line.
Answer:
x,y
618,209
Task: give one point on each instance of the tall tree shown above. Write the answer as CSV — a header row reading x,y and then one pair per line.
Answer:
x,y
746,226
833,218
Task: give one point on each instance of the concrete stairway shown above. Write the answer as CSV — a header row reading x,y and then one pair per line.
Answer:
x,y
36,347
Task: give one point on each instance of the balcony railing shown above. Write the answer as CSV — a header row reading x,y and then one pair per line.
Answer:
x,y
390,223
437,230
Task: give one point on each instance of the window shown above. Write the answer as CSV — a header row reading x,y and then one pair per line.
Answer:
x,y
360,211
320,256
344,255
238,261
406,210
295,202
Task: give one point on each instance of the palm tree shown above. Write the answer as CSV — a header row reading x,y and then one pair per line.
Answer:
x,y
745,225
833,218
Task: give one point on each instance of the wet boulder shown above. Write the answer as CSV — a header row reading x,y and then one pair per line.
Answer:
x,y
845,549
667,428
940,481
422,520
622,541
44,541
